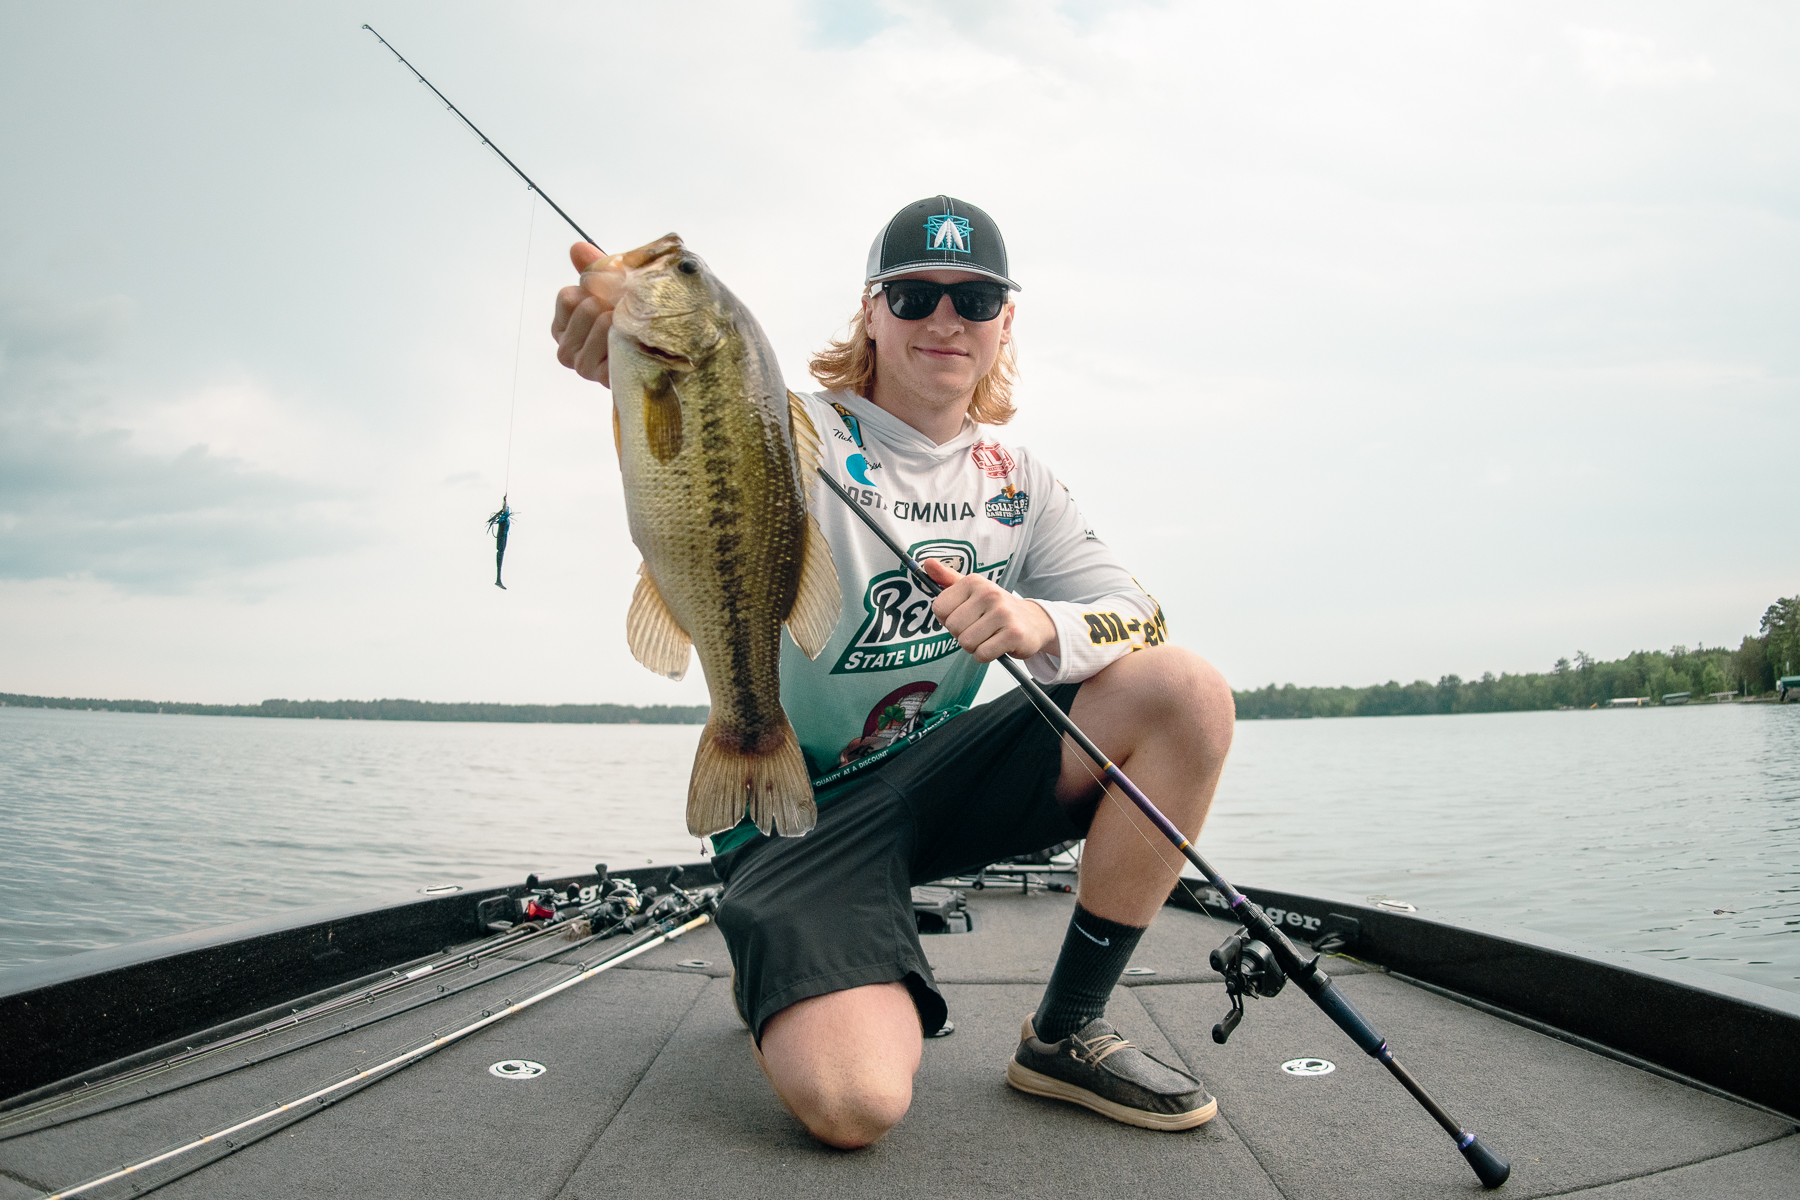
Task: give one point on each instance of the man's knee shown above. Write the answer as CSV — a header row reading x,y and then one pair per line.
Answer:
x,y
844,1062
1174,691
854,1116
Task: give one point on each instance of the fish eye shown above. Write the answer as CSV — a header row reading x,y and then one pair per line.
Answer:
x,y
689,267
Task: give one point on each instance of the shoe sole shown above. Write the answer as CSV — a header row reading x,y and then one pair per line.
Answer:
x,y
1038,1084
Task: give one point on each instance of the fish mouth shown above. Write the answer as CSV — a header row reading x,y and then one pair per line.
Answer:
x,y
643,256
667,357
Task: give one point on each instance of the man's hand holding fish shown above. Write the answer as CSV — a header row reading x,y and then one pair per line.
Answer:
x,y
854,728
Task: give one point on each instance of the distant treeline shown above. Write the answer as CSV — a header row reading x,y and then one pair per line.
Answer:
x,y
1750,670
394,710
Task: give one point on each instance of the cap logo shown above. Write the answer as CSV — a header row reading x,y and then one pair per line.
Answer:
x,y
947,232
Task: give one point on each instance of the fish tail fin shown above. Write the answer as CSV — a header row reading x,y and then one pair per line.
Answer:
x,y
769,785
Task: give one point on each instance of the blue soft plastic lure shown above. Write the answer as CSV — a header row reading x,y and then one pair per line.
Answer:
x,y
498,524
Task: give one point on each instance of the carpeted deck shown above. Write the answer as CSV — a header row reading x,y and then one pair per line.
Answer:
x,y
651,1091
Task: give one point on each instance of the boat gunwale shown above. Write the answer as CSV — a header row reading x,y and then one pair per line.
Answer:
x,y
254,971
1733,1035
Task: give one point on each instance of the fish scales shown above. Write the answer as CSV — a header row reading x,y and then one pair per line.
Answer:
x,y
714,458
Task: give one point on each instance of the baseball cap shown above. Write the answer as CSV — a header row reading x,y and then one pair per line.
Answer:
x,y
937,233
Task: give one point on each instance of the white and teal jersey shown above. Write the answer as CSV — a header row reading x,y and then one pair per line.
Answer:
x,y
978,506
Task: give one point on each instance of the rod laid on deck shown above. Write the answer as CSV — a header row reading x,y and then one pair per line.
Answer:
x,y
392,1064
1489,1167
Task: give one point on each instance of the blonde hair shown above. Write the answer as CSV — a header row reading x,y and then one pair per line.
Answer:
x,y
848,364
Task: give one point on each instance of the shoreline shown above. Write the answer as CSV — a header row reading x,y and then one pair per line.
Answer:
x,y
385,710
432,711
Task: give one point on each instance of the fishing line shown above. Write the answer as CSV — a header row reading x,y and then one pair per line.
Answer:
x,y
1319,987
512,410
1129,812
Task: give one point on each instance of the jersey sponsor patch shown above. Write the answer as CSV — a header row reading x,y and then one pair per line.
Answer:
x,y
1009,507
899,629
933,510
859,467
894,716
850,423
1109,628
993,459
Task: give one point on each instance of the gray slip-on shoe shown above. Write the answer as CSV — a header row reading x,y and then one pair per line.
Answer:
x,y
1097,1068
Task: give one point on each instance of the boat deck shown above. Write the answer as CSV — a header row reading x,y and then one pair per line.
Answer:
x,y
650,1090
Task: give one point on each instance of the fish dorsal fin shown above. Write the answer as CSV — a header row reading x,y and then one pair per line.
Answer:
x,y
662,417
651,632
818,601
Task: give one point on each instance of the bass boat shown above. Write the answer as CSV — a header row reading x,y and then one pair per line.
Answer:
x,y
574,1036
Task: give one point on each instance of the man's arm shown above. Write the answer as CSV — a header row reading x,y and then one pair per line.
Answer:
x,y
1099,611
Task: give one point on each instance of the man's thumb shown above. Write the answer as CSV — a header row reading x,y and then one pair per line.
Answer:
x,y
584,255
940,572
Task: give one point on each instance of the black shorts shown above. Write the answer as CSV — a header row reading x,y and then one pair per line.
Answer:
x,y
833,910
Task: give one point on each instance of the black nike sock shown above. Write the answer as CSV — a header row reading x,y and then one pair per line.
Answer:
x,y
1094,954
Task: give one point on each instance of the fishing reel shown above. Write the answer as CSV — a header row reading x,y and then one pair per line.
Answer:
x,y
621,900
1250,969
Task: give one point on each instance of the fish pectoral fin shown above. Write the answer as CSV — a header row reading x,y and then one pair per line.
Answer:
x,y
652,633
618,441
662,417
818,601
806,445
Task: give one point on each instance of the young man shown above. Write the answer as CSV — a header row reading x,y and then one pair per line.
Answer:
x,y
830,976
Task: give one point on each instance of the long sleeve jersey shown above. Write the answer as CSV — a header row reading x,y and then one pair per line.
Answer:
x,y
979,506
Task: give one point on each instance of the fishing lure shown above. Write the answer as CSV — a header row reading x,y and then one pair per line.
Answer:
x,y
498,525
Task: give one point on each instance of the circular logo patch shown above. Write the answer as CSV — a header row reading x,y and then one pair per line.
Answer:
x,y
1308,1066
516,1068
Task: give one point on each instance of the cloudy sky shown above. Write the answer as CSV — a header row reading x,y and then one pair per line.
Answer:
x,y
1383,341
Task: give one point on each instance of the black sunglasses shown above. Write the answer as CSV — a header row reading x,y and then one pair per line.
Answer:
x,y
916,299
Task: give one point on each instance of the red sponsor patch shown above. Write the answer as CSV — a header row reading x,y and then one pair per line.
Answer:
x,y
993,459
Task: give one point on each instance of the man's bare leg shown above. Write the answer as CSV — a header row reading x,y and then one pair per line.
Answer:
x,y
1165,716
844,1062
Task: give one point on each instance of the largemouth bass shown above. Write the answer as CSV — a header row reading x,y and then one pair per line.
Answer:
x,y
718,459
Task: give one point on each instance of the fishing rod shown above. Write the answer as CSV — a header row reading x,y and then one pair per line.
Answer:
x,y
1489,1167
407,974
232,1138
625,908
486,141
500,523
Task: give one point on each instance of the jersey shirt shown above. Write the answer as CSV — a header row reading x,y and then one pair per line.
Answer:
x,y
978,506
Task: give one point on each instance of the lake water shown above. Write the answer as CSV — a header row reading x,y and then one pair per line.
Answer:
x,y
1670,832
